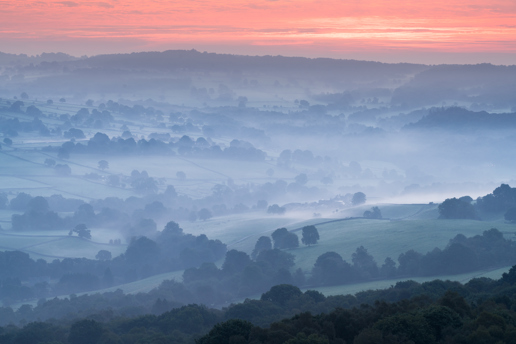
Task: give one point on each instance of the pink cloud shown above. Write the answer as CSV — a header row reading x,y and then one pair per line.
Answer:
x,y
325,26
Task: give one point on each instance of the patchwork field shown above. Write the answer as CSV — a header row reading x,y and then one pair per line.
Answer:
x,y
52,245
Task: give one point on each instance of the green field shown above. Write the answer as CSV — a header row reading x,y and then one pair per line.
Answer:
x,y
382,238
355,288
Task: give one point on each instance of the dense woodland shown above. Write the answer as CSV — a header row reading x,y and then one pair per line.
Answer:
x,y
480,311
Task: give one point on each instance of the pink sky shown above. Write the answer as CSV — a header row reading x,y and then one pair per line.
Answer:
x,y
391,31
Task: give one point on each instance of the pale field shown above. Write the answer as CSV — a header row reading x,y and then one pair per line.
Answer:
x,y
356,288
49,245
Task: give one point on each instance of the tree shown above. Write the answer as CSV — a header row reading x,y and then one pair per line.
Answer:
x,y
301,179
364,263
235,261
172,229
74,133
358,198
63,169
8,141
85,332
103,165
24,96
409,263
20,202
204,214
276,259
264,243
33,111
103,255
62,100
310,235
510,215
388,269
276,209
82,231
231,331
145,185
331,269
453,208
291,241
374,213
282,293
50,102
38,204
141,251
284,239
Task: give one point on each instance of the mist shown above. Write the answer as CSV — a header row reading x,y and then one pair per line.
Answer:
x,y
160,179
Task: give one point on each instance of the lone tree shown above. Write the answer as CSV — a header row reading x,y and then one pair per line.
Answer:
x,y
103,165
374,213
82,231
358,198
103,255
310,235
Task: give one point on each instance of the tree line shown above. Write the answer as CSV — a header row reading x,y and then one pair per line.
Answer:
x,y
479,311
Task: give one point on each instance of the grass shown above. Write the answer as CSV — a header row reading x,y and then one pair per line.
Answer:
x,y
239,232
355,288
144,285
49,245
384,238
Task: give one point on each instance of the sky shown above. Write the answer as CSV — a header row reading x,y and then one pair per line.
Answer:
x,y
431,32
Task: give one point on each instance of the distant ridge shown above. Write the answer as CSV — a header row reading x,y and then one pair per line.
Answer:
x,y
459,119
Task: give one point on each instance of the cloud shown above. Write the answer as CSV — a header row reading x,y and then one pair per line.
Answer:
x,y
68,3
103,4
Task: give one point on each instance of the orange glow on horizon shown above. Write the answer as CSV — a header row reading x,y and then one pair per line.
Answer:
x,y
320,27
